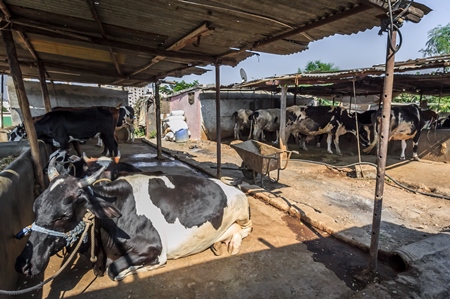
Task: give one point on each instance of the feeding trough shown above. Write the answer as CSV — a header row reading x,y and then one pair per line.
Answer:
x,y
258,157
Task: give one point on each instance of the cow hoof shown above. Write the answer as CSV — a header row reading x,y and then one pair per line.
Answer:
x,y
416,158
402,158
217,248
235,244
133,270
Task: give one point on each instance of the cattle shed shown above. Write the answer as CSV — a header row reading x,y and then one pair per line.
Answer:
x,y
134,43
421,76
198,105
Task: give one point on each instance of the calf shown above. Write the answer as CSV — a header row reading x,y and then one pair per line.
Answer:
x,y
406,122
317,120
125,120
265,120
241,121
141,220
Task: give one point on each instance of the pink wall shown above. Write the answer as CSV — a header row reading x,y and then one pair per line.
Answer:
x,y
192,112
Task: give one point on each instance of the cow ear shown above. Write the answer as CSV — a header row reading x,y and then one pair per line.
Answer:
x,y
103,209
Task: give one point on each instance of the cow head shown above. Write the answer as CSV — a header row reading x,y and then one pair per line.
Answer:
x,y
59,214
18,133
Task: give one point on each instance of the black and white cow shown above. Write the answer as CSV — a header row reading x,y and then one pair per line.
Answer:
x,y
125,120
317,120
142,220
406,122
241,122
265,120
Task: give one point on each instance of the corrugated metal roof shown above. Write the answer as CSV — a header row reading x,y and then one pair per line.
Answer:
x,y
368,81
150,40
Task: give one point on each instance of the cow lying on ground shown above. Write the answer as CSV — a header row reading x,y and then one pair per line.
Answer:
x,y
406,123
81,167
265,120
241,121
142,220
317,120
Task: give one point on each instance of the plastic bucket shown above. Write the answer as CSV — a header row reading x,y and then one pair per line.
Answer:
x,y
182,135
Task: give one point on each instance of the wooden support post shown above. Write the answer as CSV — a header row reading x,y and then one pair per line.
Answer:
x,y
382,152
218,124
16,74
45,95
158,122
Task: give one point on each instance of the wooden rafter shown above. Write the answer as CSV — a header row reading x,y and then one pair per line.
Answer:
x,y
195,35
102,30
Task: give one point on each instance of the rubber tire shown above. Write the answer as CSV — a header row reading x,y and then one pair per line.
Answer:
x,y
247,172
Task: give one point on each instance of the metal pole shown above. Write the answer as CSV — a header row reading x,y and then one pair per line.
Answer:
x,y
283,138
218,123
382,151
158,122
1,107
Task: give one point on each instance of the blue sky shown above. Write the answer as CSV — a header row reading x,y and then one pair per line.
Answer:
x,y
347,52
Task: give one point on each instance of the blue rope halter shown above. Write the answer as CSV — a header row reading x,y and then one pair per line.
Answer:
x,y
70,236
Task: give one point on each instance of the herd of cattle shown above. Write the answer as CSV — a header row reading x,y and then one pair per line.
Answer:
x,y
142,219
307,122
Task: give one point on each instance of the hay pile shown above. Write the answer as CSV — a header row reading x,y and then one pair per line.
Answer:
x,y
4,162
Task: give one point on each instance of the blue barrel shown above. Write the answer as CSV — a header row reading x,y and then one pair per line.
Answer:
x,y
182,135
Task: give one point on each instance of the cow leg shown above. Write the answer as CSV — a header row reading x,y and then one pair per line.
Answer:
x,y
336,144
278,138
132,133
233,237
415,145
99,141
236,131
134,262
402,155
76,147
303,143
329,139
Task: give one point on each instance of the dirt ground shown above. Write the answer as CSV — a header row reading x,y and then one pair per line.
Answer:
x,y
286,257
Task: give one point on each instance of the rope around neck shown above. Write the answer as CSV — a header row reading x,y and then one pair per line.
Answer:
x,y
89,219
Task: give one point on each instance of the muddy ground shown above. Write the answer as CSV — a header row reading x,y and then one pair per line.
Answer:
x,y
285,257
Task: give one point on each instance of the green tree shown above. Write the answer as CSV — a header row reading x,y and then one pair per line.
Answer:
x,y
318,66
169,89
438,41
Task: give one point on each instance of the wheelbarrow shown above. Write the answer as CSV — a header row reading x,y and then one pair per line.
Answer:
x,y
260,158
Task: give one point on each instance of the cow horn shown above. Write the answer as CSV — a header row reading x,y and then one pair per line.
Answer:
x,y
52,172
91,179
85,158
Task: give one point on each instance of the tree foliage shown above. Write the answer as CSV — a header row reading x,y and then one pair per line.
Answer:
x,y
314,66
438,41
169,89
438,104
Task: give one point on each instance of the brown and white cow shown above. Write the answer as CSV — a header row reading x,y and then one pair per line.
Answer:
x,y
317,120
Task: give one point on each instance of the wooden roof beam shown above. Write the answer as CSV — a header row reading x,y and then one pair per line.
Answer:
x,y
195,35
57,32
102,30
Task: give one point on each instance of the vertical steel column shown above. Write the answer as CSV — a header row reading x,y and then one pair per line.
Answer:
x,y
158,122
218,123
1,106
382,151
282,132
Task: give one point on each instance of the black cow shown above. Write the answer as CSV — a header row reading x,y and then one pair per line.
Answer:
x,y
406,122
142,220
60,127
444,122
317,120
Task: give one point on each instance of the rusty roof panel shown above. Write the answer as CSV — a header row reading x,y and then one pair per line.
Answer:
x,y
67,37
